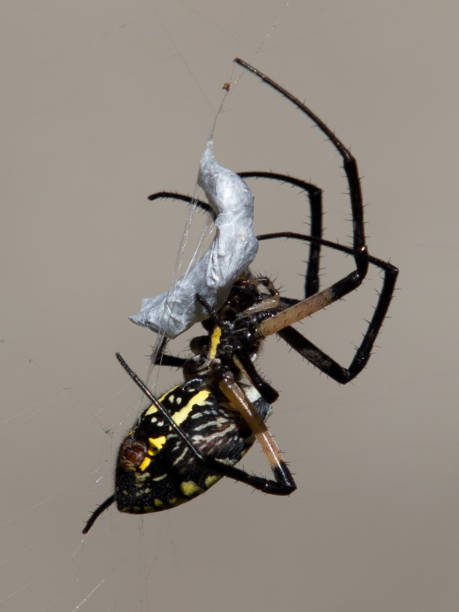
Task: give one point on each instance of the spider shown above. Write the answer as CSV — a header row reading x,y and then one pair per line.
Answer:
x,y
198,431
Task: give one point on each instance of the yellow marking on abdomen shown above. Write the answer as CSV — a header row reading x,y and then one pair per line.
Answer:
x,y
190,488
145,463
156,445
182,414
152,409
214,342
210,480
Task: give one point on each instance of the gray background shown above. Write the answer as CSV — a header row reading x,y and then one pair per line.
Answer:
x,y
106,102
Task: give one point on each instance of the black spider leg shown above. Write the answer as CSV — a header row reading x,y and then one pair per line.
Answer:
x,y
359,250
315,204
159,357
267,392
282,485
170,195
314,354
97,512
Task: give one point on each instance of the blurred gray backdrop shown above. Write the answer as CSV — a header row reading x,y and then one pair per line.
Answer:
x,y
104,103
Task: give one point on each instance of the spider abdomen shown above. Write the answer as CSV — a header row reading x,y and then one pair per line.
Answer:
x,y
156,470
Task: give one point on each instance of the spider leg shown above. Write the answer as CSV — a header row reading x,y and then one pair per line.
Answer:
x,y
245,364
283,483
314,303
170,195
169,360
359,250
97,512
267,303
315,204
159,357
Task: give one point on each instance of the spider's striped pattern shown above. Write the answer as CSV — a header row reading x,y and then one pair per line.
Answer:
x,y
156,469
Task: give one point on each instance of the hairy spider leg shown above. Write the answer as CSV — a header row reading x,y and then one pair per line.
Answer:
x,y
315,203
305,347
159,357
359,251
239,401
267,303
97,512
321,299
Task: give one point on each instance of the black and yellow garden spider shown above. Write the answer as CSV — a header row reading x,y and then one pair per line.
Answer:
x,y
195,433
